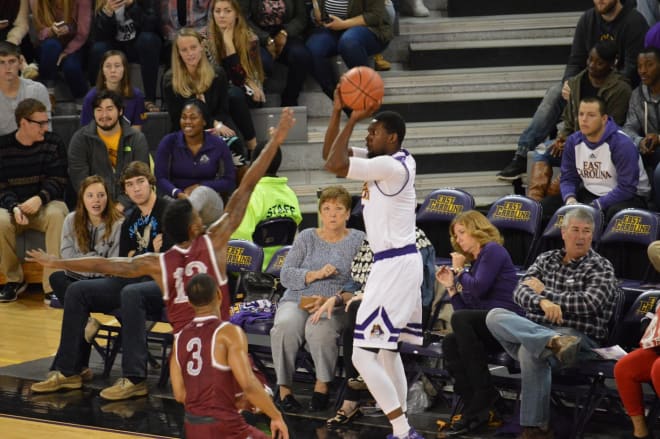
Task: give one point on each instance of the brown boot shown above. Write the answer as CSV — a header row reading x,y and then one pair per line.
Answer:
x,y
554,189
539,180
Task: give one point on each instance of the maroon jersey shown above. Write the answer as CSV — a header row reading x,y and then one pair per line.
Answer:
x,y
211,389
178,265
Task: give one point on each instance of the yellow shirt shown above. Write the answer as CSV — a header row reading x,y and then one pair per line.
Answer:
x,y
112,145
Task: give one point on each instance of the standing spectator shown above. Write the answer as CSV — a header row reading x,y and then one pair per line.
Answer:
x,y
607,20
14,89
32,181
643,122
177,14
315,269
132,26
487,284
281,31
568,297
600,166
195,165
105,146
192,76
91,230
350,28
114,76
62,30
272,198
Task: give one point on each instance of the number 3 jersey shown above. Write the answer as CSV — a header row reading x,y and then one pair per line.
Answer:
x,y
178,265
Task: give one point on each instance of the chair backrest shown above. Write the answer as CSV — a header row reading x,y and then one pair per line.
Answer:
x,y
277,261
243,256
625,240
630,325
518,219
436,213
550,239
275,231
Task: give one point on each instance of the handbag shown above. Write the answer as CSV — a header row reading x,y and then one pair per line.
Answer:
x,y
651,337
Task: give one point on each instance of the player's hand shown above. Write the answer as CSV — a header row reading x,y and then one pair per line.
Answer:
x,y
535,284
552,312
327,307
31,205
279,429
566,91
287,121
358,115
41,257
337,102
557,147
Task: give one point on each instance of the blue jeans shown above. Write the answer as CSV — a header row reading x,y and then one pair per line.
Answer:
x,y
71,66
526,341
138,301
145,49
355,45
544,121
547,156
296,56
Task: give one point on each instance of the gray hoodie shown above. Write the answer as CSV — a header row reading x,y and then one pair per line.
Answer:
x,y
643,115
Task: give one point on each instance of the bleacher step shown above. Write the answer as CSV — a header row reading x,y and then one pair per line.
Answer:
x,y
456,8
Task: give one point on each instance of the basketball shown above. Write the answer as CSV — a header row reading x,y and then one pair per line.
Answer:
x,y
360,87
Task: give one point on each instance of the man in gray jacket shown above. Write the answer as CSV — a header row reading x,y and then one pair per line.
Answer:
x,y
643,120
106,146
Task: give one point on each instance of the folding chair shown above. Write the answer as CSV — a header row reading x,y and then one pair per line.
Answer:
x,y
518,219
242,256
436,213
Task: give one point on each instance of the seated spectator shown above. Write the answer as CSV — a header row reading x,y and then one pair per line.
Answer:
x,y
610,20
488,283
132,27
14,22
114,76
643,121
281,36
351,295
598,79
192,76
176,15
105,146
355,30
600,166
91,230
314,270
62,30
210,389
195,165
141,233
650,10
32,181
568,296
14,89
272,198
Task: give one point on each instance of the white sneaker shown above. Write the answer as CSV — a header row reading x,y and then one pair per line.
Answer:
x,y
418,8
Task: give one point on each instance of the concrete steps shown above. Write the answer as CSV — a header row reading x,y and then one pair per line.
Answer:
x,y
457,8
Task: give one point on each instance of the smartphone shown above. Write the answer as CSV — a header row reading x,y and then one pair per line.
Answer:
x,y
4,22
59,23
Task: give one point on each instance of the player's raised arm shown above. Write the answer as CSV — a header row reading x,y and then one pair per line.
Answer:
x,y
221,230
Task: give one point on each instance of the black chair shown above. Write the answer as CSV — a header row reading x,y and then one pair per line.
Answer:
x,y
518,219
242,257
275,231
436,213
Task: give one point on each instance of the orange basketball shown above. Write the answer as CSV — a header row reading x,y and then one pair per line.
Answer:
x,y
360,87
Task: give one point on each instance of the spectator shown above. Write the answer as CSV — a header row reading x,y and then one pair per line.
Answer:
x,y
280,32
351,294
487,284
192,76
598,79
272,198
133,27
210,389
314,270
62,28
32,181
607,20
14,24
353,29
650,10
177,14
14,89
195,165
235,47
643,121
568,297
114,76
106,146
91,230
600,166
141,233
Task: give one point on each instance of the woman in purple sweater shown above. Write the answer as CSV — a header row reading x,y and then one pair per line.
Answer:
x,y
194,164
488,283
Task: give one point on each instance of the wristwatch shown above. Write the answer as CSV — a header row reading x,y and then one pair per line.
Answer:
x,y
270,41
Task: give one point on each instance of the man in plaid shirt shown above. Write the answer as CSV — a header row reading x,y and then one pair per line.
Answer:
x,y
569,297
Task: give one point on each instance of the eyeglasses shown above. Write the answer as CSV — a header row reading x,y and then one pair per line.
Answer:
x,y
41,123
